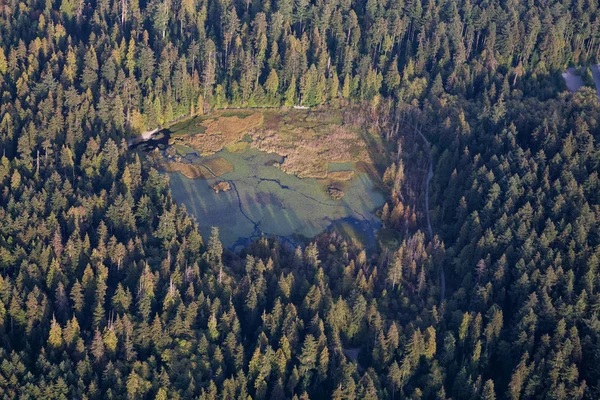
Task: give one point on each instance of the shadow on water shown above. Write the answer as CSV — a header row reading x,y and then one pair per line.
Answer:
x,y
364,231
159,140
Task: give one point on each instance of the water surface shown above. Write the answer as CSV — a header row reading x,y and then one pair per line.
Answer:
x,y
266,200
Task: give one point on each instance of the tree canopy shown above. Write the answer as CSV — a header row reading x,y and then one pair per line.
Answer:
x,y
108,290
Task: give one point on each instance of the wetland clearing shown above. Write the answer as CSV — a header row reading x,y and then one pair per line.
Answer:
x,y
288,174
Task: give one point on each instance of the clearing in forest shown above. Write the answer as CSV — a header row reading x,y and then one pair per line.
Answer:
x,y
290,174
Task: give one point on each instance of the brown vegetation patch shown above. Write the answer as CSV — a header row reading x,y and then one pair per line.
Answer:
x,y
207,170
222,186
224,131
335,193
309,150
218,166
308,140
272,120
190,171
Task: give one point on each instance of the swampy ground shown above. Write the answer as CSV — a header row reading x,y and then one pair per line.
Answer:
x,y
286,171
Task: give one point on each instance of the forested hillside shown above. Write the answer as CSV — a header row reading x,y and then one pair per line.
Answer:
x,y
107,289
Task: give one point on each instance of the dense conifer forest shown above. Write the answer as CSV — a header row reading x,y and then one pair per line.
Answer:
x,y
108,290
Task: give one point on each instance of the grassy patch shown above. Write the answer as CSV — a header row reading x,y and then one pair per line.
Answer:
x,y
240,114
340,175
309,140
192,126
183,150
218,166
208,169
368,169
349,231
222,132
238,147
190,171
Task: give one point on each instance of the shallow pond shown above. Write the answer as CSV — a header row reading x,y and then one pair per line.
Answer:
x,y
265,200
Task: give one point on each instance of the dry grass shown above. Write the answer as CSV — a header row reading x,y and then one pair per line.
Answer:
x,y
218,166
308,150
223,131
335,193
309,140
341,175
272,119
207,170
222,186
238,147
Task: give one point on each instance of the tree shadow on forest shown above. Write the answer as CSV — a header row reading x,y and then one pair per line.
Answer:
x,y
379,154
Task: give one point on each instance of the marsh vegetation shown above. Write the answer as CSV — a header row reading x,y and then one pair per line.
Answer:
x,y
289,174
308,140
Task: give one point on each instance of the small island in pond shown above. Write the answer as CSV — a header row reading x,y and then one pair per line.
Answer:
x,y
222,186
